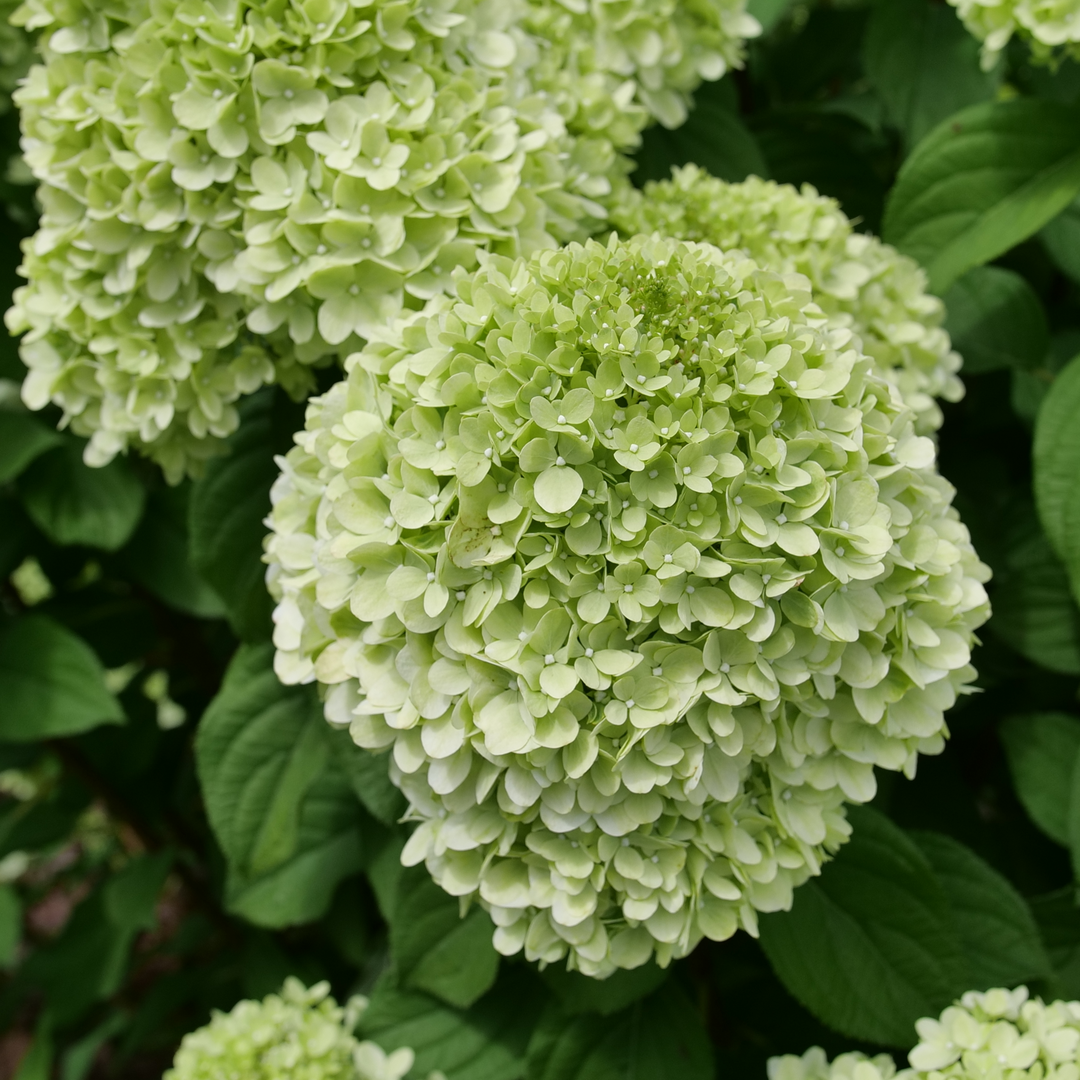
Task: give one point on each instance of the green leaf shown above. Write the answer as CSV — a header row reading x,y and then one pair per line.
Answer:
x,y
278,800
10,925
485,1042
997,930
996,321
1057,467
226,515
1043,750
1058,916
51,683
1061,238
578,993
714,137
158,556
131,895
370,777
22,439
38,1060
923,63
72,503
869,947
85,964
654,1039
435,949
1033,611
981,182
79,1058
768,12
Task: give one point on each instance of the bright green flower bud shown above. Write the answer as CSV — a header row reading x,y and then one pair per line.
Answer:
x,y
303,1034
233,193
984,1036
1051,27
639,568
859,282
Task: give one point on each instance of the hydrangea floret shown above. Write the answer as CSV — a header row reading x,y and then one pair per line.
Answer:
x,y
984,1036
859,282
615,67
1050,27
301,1033
233,192
638,567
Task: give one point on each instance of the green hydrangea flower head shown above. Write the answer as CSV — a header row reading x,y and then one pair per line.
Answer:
x,y
858,281
613,67
984,1036
300,1033
1050,27
814,1065
234,192
639,568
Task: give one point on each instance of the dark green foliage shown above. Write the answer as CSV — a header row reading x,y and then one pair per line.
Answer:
x,y
178,830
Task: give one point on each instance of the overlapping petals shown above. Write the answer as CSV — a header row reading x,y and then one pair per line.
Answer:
x,y
638,568
300,1033
1050,27
233,193
993,1035
859,282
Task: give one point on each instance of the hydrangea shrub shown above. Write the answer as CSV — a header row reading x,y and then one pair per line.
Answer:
x,y
984,1036
859,282
1050,27
301,1033
638,567
233,192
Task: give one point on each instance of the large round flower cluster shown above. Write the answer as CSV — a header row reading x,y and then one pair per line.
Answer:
x,y
301,1033
614,67
1051,27
640,569
232,191
858,281
984,1036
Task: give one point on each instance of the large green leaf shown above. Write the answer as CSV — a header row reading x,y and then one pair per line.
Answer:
x,y
485,1042
22,439
660,1037
1058,916
11,916
159,557
1033,610
1061,238
51,683
72,503
996,321
982,181
923,63
279,802
997,930
434,948
1057,467
1043,750
226,527
869,947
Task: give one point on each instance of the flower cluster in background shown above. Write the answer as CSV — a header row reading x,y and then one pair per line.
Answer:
x,y
983,1036
1049,26
640,568
858,281
301,1033
231,195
